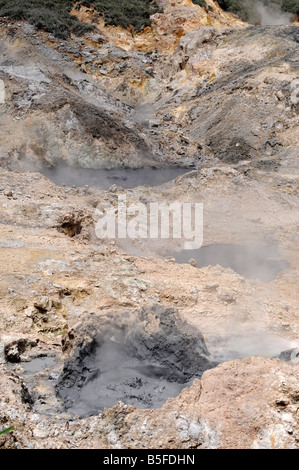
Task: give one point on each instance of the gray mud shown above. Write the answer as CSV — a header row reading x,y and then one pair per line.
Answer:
x,y
143,363
116,375
252,260
38,364
104,179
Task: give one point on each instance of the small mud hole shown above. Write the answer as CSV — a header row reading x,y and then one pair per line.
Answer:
x,y
115,375
143,362
38,364
252,260
104,179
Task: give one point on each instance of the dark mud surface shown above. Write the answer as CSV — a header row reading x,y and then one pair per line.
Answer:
x,y
252,260
104,179
143,363
116,375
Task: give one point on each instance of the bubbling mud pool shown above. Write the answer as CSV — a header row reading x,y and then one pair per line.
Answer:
x,y
104,179
258,260
115,375
143,363
140,358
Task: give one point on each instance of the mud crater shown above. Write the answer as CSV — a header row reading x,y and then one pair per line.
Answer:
x,y
104,178
258,260
142,362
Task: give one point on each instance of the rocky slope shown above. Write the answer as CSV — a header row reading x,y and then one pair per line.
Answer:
x,y
199,89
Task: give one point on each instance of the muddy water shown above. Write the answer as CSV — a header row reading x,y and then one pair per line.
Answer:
x,y
261,261
150,357
104,179
119,376
38,364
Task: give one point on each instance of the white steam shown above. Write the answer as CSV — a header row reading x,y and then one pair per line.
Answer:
x,y
271,14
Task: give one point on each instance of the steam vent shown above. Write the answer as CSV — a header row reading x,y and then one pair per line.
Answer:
x,y
149,221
